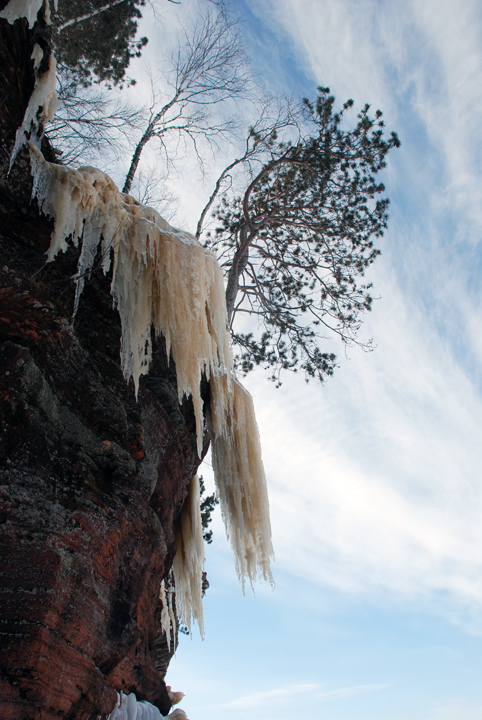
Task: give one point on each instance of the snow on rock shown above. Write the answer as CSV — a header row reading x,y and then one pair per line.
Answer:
x,y
174,697
22,9
163,278
128,707
188,561
42,105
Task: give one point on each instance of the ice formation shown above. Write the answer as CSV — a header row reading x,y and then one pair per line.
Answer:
x,y
23,9
174,697
42,105
168,619
239,472
128,707
188,561
163,278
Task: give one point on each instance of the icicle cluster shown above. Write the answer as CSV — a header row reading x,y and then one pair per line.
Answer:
x,y
163,278
241,483
168,619
188,561
128,707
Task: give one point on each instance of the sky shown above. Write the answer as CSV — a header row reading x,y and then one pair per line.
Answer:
x,y
375,478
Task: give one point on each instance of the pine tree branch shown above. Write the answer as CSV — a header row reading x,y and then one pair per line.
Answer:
x,y
87,16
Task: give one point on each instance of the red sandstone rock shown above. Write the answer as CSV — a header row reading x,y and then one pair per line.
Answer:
x,y
91,480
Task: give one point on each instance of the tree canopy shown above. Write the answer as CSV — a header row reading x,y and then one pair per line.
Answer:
x,y
96,40
296,243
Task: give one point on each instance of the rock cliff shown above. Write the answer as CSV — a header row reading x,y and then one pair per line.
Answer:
x,y
92,481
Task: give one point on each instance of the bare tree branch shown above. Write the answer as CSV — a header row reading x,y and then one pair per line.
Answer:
x,y
207,69
89,15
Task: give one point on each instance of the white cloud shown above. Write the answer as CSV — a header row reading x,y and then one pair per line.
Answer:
x,y
295,693
456,712
375,480
269,697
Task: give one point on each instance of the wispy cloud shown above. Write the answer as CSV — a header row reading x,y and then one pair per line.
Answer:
x,y
456,712
293,694
375,480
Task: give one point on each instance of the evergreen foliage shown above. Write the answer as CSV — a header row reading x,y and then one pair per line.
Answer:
x,y
100,47
208,503
296,244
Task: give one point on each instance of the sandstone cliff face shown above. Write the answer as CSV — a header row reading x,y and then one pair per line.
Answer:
x,y
91,481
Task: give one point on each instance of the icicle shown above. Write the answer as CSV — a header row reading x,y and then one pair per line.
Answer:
x,y
163,278
188,561
165,617
22,9
168,619
128,707
241,483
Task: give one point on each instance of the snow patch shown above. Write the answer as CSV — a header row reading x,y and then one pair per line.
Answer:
x,y
41,107
23,9
128,707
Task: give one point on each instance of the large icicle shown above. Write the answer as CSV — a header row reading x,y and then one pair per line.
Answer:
x,y
163,278
188,562
240,479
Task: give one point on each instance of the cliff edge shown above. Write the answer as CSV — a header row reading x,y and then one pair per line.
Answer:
x,y
92,480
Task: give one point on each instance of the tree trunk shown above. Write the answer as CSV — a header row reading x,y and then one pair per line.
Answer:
x,y
91,481
135,160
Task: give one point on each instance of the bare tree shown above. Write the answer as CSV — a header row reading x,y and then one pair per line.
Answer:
x,y
151,188
207,69
90,123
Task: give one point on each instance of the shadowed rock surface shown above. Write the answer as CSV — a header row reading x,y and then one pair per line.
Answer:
x,y
92,480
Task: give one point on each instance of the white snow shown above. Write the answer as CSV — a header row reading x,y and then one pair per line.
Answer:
x,y
128,707
37,55
174,697
22,9
164,279
188,564
42,105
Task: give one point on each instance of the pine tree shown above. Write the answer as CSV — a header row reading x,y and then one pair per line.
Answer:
x,y
96,40
296,244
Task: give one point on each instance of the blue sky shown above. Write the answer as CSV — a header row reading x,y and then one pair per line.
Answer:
x,y
374,479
